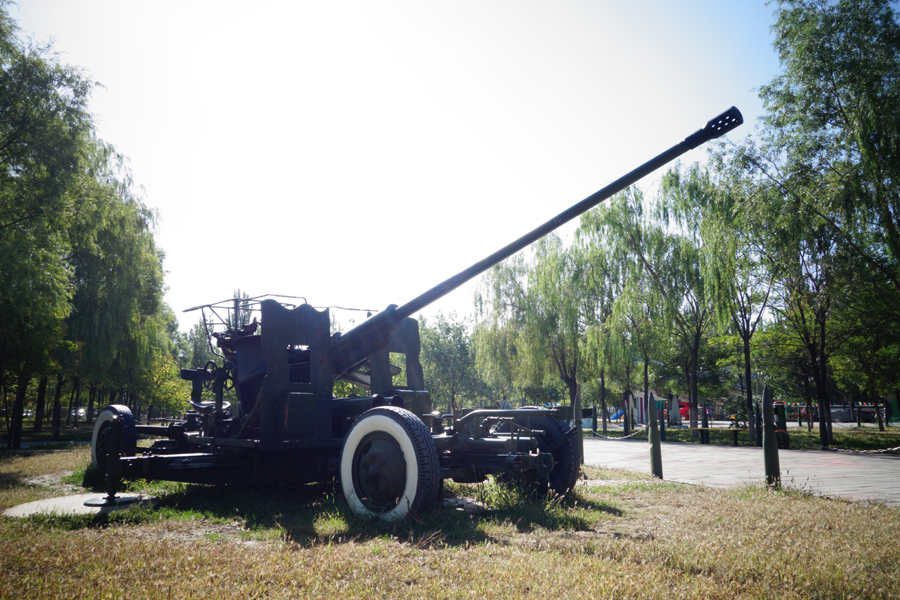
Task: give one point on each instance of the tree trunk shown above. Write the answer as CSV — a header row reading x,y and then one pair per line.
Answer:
x,y
820,400
809,418
15,437
77,401
135,407
90,411
41,401
646,400
453,410
575,401
875,404
603,397
693,401
54,422
748,388
577,422
75,383
823,366
6,412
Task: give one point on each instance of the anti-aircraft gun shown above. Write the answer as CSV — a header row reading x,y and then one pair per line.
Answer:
x,y
388,449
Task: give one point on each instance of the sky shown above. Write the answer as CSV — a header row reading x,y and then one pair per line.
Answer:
x,y
357,153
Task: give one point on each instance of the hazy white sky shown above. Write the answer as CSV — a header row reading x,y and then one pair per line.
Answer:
x,y
359,152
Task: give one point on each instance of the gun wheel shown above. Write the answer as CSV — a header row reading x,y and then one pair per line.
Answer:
x,y
564,450
100,439
389,465
565,457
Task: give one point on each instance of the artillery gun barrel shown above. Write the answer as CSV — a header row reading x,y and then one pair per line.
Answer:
x,y
355,345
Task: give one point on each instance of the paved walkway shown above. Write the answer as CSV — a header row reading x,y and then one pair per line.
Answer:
x,y
857,477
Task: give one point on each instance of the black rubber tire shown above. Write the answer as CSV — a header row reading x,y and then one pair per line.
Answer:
x,y
389,465
566,466
100,439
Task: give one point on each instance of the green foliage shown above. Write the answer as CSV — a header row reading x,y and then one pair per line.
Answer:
x,y
538,311
448,363
81,279
819,200
44,131
834,117
777,264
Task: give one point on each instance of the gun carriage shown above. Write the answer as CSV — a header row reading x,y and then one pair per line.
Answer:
x,y
387,448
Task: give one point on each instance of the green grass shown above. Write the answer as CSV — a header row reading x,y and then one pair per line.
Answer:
x,y
618,535
862,438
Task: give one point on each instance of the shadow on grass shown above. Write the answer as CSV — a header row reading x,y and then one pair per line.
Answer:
x,y
310,514
601,507
11,480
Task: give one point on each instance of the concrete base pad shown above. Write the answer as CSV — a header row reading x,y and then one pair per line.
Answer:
x,y
71,505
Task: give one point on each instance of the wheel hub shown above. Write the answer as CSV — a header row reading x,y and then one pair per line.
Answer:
x,y
379,472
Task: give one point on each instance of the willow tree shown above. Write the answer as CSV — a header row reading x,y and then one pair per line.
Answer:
x,y
496,349
623,316
739,284
603,282
118,317
672,266
44,128
543,303
500,303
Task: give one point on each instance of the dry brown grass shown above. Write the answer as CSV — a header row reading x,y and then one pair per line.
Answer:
x,y
619,536
17,473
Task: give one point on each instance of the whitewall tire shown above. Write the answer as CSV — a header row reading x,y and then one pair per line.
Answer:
x,y
100,439
389,465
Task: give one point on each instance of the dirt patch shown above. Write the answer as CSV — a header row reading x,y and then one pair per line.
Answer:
x,y
54,481
194,531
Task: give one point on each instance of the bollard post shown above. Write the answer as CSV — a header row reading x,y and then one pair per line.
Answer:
x,y
770,443
655,449
625,417
734,434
